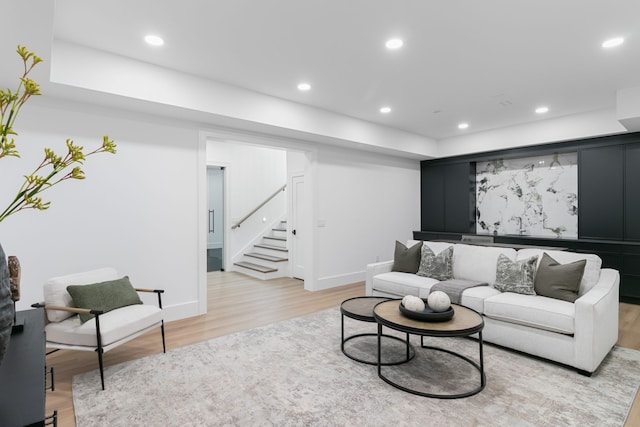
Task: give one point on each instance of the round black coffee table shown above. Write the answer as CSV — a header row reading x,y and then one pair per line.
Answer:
x,y
361,308
465,322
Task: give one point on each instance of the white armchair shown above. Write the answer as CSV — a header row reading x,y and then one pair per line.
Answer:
x,y
108,327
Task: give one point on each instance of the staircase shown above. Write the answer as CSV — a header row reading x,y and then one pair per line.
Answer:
x,y
269,258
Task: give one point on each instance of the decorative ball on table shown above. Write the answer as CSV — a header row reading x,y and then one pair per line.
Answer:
x,y
438,301
413,303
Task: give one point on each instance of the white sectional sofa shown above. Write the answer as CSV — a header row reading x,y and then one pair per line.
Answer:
x,y
579,334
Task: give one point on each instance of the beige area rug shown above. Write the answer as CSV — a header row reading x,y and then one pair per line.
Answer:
x,y
293,373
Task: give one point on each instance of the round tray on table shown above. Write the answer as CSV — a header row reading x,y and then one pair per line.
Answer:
x,y
427,315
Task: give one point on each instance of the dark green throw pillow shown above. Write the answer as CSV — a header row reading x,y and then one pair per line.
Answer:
x,y
406,260
105,296
560,281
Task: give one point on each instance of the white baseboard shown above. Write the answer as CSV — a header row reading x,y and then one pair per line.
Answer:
x,y
340,280
180,311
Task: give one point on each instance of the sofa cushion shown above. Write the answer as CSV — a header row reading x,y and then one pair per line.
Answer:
x,y
560,281
105,296
471,262
436,266
532,310
114,326
591,274
516,276
55,289
473,298
401,284
406,259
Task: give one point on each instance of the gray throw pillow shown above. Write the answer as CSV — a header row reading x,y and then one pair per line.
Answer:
x,y
406,260
439,267
516,276
105,296
559,281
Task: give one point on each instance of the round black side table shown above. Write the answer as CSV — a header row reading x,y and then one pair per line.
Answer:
x,y
361,308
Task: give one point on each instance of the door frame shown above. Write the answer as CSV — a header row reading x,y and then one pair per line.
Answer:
x,y
291,208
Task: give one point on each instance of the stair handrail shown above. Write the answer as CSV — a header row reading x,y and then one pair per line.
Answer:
x,y
247,216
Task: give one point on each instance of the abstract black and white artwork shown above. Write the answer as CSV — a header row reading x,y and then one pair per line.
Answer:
x,y
535,196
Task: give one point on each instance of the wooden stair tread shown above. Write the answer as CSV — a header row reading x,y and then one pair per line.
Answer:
x,y
281,239
273,247
266,257
279,229
255,267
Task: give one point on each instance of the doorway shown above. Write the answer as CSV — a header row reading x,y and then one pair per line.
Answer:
x,y
215,215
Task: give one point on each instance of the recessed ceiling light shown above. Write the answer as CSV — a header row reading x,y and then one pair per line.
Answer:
x,y
542,110
463,125
394,43
616,41
304,87
154,40
385,110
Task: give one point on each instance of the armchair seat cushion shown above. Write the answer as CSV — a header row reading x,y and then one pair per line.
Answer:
x,y
114,326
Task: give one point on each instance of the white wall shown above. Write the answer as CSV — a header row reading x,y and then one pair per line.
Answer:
x,y
135,211
365,202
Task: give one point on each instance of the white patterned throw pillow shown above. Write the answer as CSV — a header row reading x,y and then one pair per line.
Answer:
x,y
516,276
439,267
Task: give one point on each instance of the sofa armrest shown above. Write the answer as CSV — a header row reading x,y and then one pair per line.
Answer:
x,y
596,321
373,270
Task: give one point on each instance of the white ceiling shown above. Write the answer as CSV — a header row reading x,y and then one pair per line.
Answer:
x,y
489,63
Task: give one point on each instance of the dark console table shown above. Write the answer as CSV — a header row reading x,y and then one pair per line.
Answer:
x,y
22,374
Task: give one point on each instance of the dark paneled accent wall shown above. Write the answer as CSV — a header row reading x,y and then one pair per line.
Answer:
x,y
601,193
448,197
608,201
632,193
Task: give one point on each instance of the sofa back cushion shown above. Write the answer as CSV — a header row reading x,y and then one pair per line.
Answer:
x,y
55,289
478,263
592,268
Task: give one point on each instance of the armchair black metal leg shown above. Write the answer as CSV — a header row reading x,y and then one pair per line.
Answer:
x,y
99,348
164,348
99,351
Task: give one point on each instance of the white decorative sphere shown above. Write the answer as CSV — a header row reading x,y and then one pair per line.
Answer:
x,y
439,301
413,303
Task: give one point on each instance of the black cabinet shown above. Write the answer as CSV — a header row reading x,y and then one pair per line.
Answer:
x,y
448,197
459,197
601,193
632,193
22,374
432,197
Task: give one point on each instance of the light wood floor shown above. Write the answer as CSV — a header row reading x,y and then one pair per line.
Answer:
x,y
263,303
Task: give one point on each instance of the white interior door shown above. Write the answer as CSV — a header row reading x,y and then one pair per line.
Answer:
x,y
297,246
